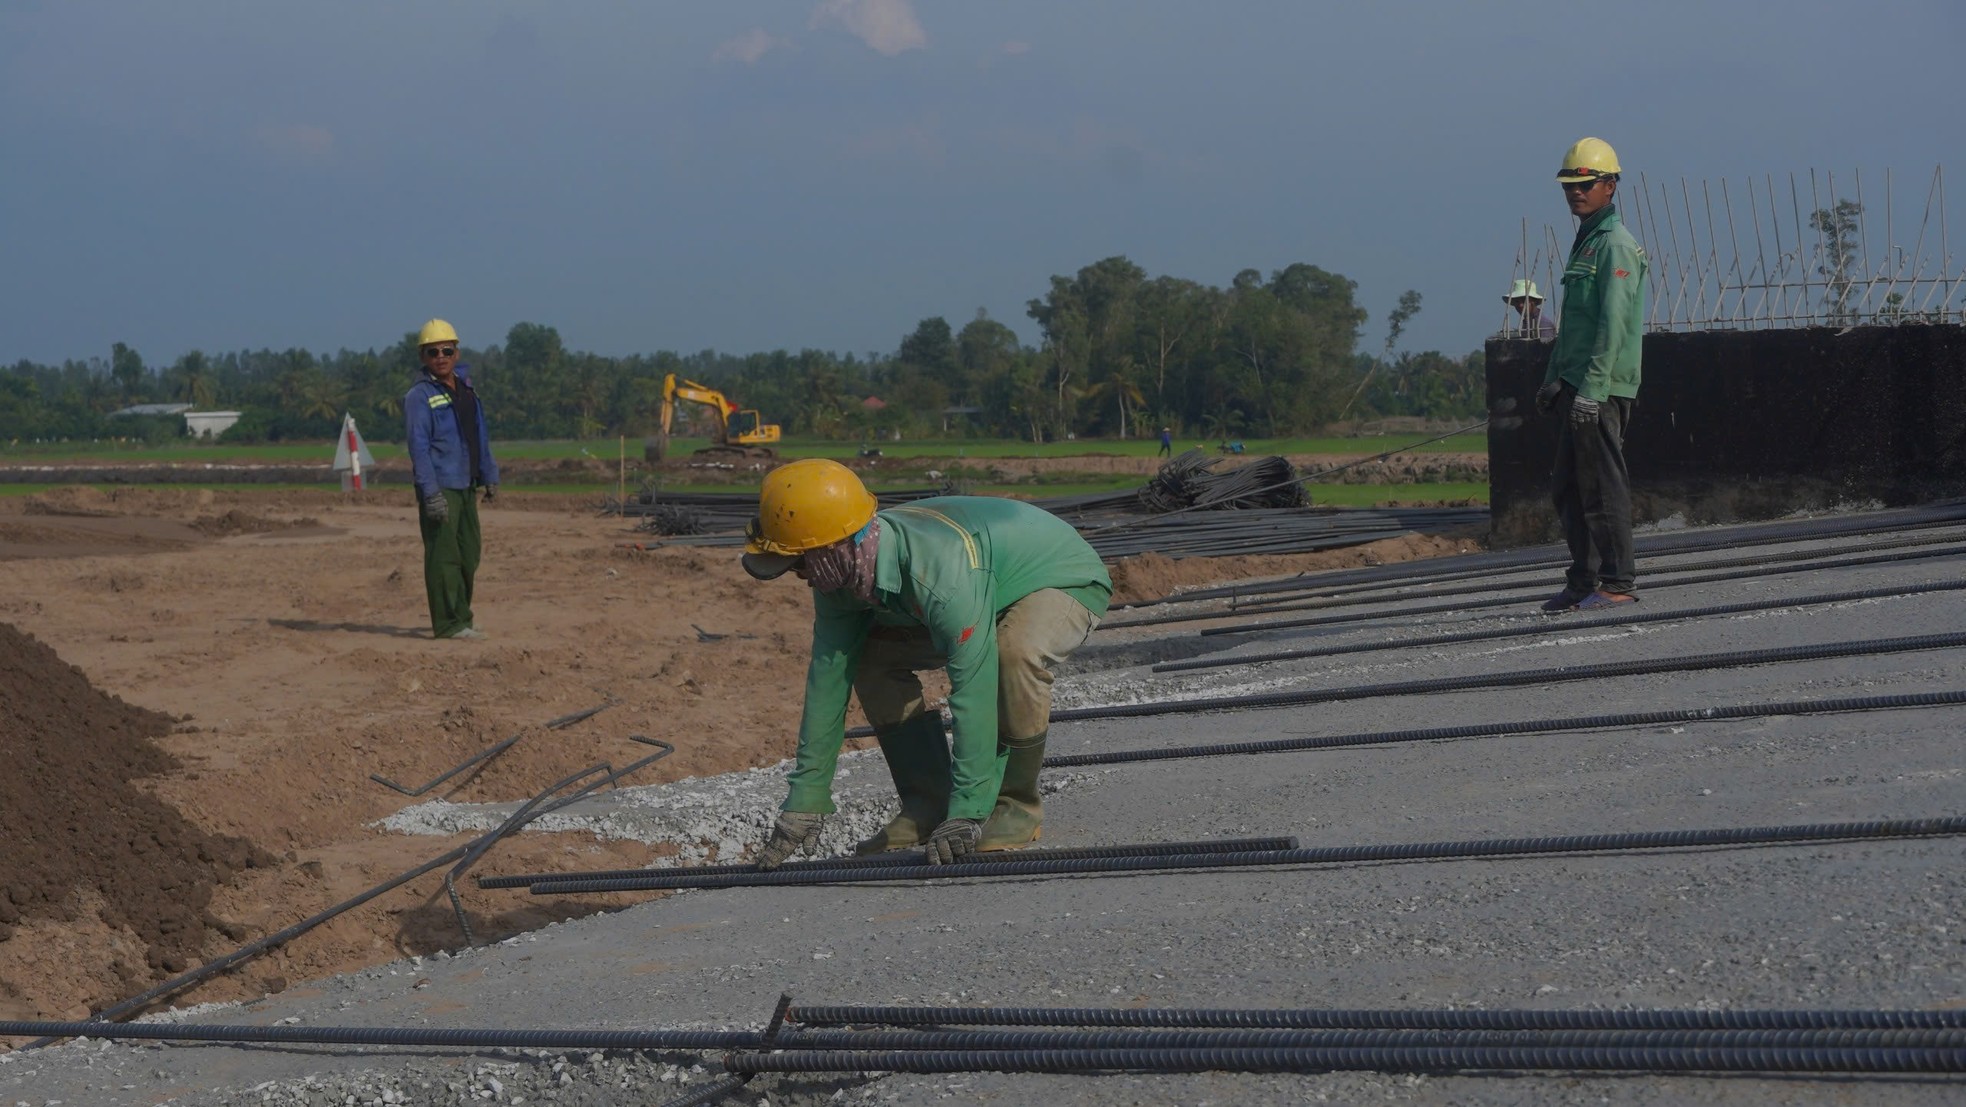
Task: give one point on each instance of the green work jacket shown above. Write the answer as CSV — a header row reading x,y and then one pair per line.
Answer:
x,y
1597,345
951,564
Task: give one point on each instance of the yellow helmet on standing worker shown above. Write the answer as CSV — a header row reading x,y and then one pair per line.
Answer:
x,y
436,331
1588,160
805,504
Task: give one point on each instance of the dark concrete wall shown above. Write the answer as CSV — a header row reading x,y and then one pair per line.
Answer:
x,y
1750,424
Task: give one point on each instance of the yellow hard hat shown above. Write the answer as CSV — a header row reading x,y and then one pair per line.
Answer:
x,y
1522,290
435,331
805,504
1588,160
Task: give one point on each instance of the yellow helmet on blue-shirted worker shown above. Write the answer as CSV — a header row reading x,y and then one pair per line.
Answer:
x,y
436,331
1588,160
805,504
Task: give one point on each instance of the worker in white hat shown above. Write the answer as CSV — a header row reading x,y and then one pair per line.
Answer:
x,y
1528,304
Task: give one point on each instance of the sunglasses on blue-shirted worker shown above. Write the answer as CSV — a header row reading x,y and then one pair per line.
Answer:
x,y
440,351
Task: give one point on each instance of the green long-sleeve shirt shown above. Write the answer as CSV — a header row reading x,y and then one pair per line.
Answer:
x,y
1597,347
951,564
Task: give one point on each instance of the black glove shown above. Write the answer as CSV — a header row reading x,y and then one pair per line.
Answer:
x,y
491,492
434,507
954,841
1583,412
1546,397
794,831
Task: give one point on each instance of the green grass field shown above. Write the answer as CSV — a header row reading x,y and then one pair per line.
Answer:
x,y
319,453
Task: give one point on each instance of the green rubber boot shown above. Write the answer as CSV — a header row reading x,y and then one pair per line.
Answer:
x,y
917,754
1019,813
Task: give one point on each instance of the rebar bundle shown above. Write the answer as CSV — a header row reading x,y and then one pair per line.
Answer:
x,y
1189,481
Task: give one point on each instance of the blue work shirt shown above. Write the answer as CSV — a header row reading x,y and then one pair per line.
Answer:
x,y
440,458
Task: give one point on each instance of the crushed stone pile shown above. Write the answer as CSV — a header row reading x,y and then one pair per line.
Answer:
x,y
80,835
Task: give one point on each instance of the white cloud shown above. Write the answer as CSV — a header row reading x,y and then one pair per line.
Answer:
x,y
889,26
749,47
297,142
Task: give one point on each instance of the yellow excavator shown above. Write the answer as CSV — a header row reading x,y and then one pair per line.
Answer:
x,y
734,432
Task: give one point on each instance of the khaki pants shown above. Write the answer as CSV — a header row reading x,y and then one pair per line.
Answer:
x,y
1033,634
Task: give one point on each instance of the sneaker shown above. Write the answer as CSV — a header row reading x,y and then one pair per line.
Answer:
x,y
470,632
1566,600
1600,600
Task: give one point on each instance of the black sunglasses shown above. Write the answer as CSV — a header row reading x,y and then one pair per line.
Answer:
x,y
440,351
1582,186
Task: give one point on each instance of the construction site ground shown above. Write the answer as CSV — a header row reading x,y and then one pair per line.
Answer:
x,y
285,637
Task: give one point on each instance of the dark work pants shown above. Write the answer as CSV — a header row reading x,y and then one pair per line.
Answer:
x,y
450,562
1593,498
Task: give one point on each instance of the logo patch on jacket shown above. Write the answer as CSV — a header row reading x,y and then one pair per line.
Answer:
x,y
1619,273
967,631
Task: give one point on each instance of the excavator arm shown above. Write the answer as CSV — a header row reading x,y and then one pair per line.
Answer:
x,y
753,432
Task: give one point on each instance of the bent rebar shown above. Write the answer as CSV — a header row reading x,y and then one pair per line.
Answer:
x,y
902,857
525,814
487,754
1321,855
281,937
1535,726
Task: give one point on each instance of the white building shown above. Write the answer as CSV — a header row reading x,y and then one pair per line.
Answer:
x,y
208,424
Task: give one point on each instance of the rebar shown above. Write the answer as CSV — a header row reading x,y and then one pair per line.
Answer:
x,y
1382,1059
1326,855
1518,728
1544,625
901,857
1387,1019
1530,597
489,753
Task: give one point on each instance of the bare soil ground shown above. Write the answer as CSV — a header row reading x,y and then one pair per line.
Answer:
x,y
280,638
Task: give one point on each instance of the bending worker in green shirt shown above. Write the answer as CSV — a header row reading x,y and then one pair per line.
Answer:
x,y
993,590
1592,385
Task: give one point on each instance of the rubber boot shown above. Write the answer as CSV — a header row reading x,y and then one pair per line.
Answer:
x,y
917,754
1019,813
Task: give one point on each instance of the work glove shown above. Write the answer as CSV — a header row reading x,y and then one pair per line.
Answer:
x,y
1546,397
491,492
954,841
794,831
1583,412
434,507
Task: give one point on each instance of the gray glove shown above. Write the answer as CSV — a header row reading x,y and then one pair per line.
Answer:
x,y
1583,412
1546,397
434,507
794,831
954,841
491,492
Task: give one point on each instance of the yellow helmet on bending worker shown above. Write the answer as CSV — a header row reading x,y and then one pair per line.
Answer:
x,y
805,504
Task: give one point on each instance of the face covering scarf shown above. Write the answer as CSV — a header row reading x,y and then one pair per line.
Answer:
x,y
847,565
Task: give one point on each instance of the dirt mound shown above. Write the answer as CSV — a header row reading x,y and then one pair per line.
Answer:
x,y
82,840
74,499
236,521
1152,576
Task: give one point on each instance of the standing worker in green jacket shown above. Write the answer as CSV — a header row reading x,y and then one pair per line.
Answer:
x,y
1592,385
995,591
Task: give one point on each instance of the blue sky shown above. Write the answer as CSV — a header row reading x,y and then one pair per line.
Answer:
x,y
742,175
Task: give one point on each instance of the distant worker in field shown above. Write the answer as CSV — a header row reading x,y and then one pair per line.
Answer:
x,y
995,591
450,457
1592,385
1528,304
1166,442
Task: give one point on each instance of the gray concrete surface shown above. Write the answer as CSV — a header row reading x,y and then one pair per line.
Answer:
x,y
1874,924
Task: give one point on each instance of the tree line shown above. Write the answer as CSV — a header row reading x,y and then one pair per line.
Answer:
x,y
1120,354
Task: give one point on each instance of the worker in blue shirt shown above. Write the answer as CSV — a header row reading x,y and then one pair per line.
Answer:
x,y
450,457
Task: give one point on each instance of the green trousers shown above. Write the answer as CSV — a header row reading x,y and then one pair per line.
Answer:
x,y
450,562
